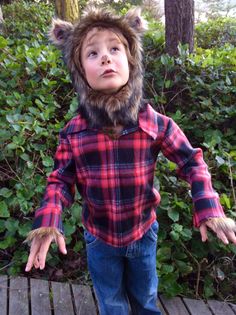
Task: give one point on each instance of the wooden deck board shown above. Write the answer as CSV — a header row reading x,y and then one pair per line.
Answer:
x,y
40,297
18,296
163,312
233,306
84,301
220,308
3,294
197,307
62,300
174,306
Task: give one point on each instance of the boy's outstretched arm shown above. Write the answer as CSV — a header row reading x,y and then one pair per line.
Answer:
x,y
208,212
224,228
41,242
47,226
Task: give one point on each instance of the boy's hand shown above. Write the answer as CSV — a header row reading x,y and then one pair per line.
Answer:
x,y
224,228
39,249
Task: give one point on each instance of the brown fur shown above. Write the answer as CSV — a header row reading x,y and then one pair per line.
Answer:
x,y
101,109
224,224
41,233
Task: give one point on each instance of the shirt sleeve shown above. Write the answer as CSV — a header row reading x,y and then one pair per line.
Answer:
x,y
193,169
60,188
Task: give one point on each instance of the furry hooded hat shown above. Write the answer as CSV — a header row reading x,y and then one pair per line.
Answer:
x,y
98,108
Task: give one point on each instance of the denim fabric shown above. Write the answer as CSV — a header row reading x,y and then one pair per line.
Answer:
x,y
124,278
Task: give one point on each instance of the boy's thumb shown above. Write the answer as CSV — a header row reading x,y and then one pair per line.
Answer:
x,y
61,244
203,231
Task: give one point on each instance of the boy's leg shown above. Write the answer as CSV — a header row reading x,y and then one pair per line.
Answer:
x,y
106,267
141,276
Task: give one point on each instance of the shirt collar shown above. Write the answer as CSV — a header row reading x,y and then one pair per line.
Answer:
x,y
148,121
76,124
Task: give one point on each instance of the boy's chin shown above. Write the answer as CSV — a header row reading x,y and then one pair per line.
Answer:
x,y
110,90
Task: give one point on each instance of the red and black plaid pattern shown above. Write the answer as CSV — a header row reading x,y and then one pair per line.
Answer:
x,y
115,176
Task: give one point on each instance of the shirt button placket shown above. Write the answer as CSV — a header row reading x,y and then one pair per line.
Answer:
x,y
117,187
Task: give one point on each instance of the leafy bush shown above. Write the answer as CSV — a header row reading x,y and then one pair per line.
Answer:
x,y
199,94
26,20
216,32
37,99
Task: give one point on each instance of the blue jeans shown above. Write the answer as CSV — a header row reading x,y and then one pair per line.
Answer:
x,y
124,279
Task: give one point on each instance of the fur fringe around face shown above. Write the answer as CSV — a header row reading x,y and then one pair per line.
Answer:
x,y
102,109
41,233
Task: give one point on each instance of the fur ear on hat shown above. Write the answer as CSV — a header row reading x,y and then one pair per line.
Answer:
x,y
59,32
136,21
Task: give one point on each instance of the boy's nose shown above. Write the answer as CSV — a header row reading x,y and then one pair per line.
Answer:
x,y
105,60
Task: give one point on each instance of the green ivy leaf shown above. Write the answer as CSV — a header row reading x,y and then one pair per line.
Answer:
x,y
12,225
48,161
165,269
7,242
5,192
163,253
186,234
78,246
173,215
174,235
76,211
4,213
2,226
224,199
69,228
3,42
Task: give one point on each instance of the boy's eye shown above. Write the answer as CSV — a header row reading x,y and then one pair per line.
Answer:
x,y
92,53
115,48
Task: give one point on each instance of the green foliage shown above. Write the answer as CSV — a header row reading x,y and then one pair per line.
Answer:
x,y
216,32
27,20
199,92
37,99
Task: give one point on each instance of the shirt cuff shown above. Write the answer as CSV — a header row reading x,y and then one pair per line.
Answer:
x,y
48,217
206,208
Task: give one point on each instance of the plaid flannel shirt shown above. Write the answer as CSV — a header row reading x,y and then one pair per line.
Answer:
x,y
115,177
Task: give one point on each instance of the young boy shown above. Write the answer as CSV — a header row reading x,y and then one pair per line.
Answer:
x,y
109,151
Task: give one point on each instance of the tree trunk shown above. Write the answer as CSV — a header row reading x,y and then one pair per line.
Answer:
x,y
1,19
188,24
179,20
67,10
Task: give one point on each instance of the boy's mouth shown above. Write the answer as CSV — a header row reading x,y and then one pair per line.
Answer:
x,y
108,71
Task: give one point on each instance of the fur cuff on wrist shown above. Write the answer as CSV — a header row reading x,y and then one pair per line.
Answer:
x,y
224,224
43,232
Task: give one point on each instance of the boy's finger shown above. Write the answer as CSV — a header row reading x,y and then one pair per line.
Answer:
x,y
33,252
30,263
224,236
203,232
43,251
61,244
36,262
221,235
231,237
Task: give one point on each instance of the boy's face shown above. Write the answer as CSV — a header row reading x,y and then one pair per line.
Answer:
x,y
104,60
